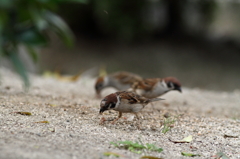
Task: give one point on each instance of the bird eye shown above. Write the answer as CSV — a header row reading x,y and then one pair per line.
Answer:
x,y
170,85
98,86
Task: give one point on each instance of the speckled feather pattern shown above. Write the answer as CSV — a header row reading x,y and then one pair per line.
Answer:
x,y
132,98
126,102
173,80
146,84
119,80
126,77
154,87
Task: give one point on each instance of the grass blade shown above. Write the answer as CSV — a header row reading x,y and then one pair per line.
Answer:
x,y
19,68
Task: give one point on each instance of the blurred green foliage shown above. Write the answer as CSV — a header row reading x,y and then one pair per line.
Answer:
x,y
128,21
28,23
122,19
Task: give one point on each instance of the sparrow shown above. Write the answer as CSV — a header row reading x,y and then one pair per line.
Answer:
x,y
155,87
119,80
125,102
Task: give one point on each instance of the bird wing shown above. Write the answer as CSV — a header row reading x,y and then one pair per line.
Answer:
x,y
127,77
133,98
147,84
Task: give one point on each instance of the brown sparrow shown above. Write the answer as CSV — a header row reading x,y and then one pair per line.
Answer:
x,y
154,87
119,80
125,102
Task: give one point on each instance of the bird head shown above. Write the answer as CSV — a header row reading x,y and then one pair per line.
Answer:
x,y
173,84
99,85
108,103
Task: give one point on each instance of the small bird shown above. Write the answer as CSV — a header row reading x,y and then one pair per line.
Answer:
x,y
125,102
155,87
119,80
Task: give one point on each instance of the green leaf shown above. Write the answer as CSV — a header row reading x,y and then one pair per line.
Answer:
x,y
78,1
139,146
132,149
32,37
44,1
125,142
184,140
189,154
6,3
19,68
45,122
187,139
136,147
167,124
3,19
152,147
33,53
37,17
60,27
159,150
221,155
150,157
112,153
113,143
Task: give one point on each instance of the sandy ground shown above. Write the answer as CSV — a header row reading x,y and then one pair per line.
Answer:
x,y
73,131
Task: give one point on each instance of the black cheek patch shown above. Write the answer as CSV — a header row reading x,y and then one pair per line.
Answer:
x,y
169,84
99,86
112,105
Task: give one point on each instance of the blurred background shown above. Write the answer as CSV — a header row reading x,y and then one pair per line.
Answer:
x,y
196,41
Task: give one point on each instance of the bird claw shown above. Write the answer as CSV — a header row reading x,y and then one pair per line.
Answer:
x,y
102,120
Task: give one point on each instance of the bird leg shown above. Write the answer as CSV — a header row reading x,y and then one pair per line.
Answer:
x,y
152,106
119,116
136,116
102,120
138,121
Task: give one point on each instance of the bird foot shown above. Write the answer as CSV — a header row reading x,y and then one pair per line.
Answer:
x,y
113,122
102,120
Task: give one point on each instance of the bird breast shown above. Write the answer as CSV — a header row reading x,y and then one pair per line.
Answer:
x,y
119,86
129,108
158,90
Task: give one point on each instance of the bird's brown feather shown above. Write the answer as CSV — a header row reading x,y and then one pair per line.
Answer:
x,y
132,97
126,77
146,84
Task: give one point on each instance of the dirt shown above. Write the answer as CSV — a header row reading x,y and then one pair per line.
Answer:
x,y
64,122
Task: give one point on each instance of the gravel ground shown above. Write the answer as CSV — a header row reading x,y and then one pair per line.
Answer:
x,y
73,131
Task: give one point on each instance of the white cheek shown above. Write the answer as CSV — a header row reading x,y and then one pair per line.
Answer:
x,y
118,102
105,81
163,83
140,91
161,88
103,102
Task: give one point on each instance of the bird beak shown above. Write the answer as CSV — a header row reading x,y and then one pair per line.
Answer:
x,y
102,110
98,95
179,89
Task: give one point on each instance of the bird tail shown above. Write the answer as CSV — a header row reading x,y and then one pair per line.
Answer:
x,y
155,99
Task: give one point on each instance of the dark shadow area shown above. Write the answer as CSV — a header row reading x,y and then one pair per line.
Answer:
x,y
196,41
